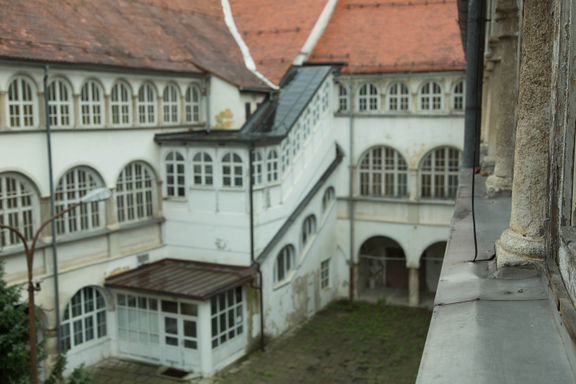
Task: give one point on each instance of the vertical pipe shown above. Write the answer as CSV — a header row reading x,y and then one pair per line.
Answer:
x,y
351,188
52,210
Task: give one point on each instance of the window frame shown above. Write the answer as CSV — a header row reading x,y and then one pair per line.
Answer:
x,y
222,306
71,187
171,107
370,99
235,176
175,173
119,105
380,176
427,97
22,105
307,231
395,95
328,196
458,96
147,105
192,107
60,99
284,264
258,163
128,209
69,320
325,274
206,168
90,108
272,166
448,175
26,214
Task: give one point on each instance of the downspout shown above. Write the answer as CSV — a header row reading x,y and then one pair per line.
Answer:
x,y
208,104
252,253
351,188
52,209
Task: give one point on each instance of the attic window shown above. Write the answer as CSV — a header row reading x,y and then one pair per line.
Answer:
x,y
171,105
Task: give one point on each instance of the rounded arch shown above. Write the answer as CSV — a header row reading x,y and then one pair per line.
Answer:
x,y
121,95
438,173
23,75
383,172
147,103
284,264
431,265
232,169
192,103
368,98
202,168
382,264
22,102
136,193
431,96
60,102
92,106
398,97
171,103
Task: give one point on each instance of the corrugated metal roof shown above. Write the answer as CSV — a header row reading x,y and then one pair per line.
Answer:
x,y
273,120
189,279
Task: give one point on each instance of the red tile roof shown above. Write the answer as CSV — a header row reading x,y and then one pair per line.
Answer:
x,y
375,36
167,35
275,31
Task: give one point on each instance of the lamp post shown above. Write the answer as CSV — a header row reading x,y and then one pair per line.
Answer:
x,y
95,195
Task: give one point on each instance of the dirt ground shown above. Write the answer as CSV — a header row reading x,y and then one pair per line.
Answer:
x,y
345,343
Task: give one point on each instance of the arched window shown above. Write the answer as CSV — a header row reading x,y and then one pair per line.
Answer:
x,y
71,188
121,105
431,97
175,175
84,318
92,104
329,196
192,104
398,97
147,103
342,98
458,96
60,104
21,103
272,166
232,170
202,169
439,174
368,98
135,193
285,263
19,208
171,104
258,168
308,229
383,172
286,152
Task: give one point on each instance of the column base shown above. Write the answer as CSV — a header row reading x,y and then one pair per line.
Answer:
x,y
498,186
515,249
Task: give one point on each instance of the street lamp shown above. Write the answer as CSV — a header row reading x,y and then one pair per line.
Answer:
x,y
95,195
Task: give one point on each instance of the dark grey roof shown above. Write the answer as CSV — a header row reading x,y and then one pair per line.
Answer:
x,y
273,119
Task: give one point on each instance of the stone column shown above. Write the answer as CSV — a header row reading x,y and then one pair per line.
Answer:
x,y
77,112
414,184
107,111
491,62
110,209
160,111
159,193
134,110
413,287
182,108
523,241
41,111
504,87
3,111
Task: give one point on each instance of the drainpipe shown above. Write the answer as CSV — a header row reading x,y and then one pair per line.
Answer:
x,y
351,188
52,209
252,253
208,122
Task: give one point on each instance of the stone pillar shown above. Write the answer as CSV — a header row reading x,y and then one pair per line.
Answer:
x,y
414,184
110,209
77,113
160,111
134,110
182,108
504,87
107,111
3,111
41,110
414,102
159,193
413,287
523,241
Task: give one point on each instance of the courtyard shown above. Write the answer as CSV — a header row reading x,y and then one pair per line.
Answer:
x,y
345,343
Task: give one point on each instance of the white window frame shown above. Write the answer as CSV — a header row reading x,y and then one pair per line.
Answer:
x,y
343,98
202,169
439,173
130,305
227,316
458,94
135,193
308,230
284,264
398,97
192,104
75,323
175,168
368,98
328,197
121,105
286,154
171,105
257,168
232,170
272,166
92,104
146,105
325,274
19,207
72,186
60,104
430,97
383,172
21,103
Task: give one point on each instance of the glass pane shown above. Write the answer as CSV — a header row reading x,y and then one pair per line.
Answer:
x,y
169,306
189,328
171,325
188,309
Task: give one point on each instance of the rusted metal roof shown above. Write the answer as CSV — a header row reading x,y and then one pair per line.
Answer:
x,y
189,279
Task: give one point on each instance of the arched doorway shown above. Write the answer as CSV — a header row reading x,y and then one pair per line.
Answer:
x,y
431,265
382,265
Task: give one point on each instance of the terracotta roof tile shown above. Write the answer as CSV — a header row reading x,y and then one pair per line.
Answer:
x,y
167,35
275,31
375,36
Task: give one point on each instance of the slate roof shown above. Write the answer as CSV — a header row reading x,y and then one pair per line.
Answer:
x,y
275,31
375,36
273,119
164,35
